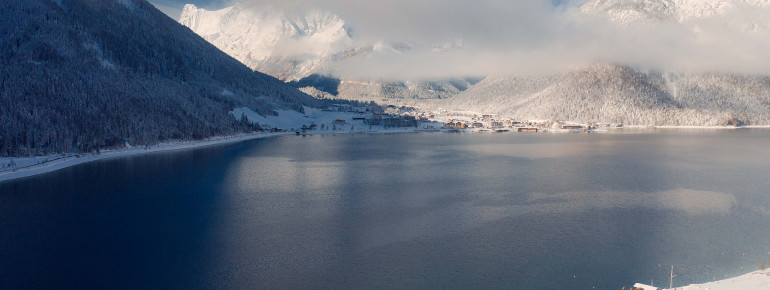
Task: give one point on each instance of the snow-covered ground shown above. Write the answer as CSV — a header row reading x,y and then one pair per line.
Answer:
x,y
754,280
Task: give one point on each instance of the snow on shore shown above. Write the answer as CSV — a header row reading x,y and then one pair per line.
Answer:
x,y
754,280
29,166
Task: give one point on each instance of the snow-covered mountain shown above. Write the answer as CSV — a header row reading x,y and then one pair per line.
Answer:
x,y
680,11
298,45
619,93
287,45
606,93
78,75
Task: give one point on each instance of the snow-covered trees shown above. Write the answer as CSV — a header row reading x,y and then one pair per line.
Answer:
x,y
618,94
87,74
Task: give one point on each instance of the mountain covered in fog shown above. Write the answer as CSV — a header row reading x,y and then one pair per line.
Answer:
x,y
79,75
603,92
606,93
609,92
681,11
300,46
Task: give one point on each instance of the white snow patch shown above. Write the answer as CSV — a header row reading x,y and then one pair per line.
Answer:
x,y
287,119
106,63
227,93
754,280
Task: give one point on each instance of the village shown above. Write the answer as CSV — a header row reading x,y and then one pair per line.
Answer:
x,y
390,118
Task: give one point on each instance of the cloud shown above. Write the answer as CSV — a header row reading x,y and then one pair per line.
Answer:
x,y
535,37
538,36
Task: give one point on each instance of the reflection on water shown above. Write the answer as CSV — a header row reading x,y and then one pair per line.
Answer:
x,y
535,211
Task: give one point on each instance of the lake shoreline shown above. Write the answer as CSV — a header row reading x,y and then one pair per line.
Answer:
x,y
43,164
32,166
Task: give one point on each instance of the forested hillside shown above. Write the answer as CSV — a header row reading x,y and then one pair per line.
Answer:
x,y
83,75
621,94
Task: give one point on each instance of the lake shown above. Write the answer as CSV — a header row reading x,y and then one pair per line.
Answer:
x,y
430,210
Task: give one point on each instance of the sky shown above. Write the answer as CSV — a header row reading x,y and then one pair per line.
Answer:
x,y
528,37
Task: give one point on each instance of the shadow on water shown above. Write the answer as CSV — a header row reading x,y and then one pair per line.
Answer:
x,y
133,222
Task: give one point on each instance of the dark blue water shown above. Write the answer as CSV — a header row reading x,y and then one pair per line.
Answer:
x,y
438,210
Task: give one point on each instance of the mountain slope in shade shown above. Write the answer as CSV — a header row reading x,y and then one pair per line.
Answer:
x,y
617,94
78,75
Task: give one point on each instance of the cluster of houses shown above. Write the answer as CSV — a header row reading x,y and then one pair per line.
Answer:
x,y
489,122
403,117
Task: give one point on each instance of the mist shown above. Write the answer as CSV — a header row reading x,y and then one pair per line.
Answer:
x,y
462,38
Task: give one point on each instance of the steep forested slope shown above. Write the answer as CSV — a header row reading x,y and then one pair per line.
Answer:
x,y
78,75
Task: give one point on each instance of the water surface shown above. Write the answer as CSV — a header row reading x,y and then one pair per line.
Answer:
x,y
522,211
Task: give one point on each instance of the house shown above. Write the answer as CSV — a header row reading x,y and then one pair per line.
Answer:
x,y
528,129
478,125
457,125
